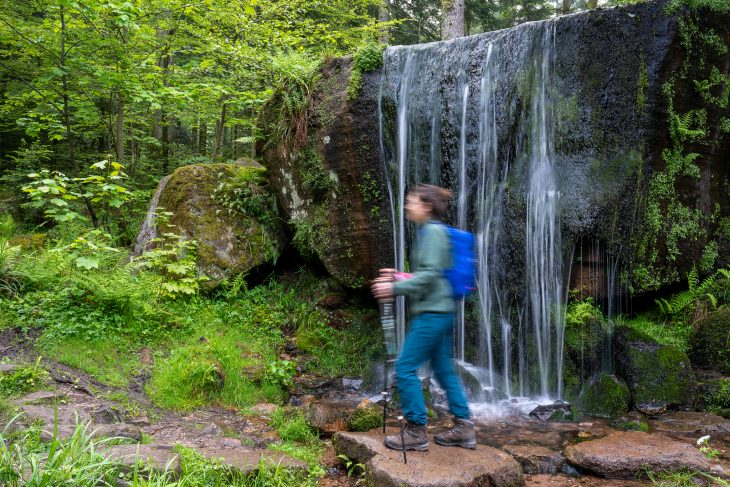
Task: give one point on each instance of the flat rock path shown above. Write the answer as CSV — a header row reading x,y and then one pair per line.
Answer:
x,y
511,451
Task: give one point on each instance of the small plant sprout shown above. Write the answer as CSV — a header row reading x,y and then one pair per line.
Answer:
x,y
704,444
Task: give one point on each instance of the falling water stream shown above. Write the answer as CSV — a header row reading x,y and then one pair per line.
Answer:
x,y
476,115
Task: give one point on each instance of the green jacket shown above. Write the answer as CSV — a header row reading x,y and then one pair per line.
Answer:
x,y
428,291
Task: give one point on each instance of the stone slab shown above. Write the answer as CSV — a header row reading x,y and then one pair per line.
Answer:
x,y
42,397
625,454
692,423
8,368
157,457
247,460
438,467
65,421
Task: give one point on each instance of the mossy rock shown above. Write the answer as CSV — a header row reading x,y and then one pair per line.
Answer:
x,y
659,377
229,242
605,396
711,342
713,393
365,418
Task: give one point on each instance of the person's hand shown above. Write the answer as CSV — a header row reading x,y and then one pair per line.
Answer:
x,y
382,290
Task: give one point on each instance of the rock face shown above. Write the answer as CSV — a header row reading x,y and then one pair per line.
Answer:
x,y
659,377
604,396
626,454
611,127
331,186
225,208
438,467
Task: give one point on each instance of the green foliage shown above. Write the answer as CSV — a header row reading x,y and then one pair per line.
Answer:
x,y
23,380
684,478
315,178
367,58
696,290
293,426
675,334
352,468
281,373
173,257
9,278
60,196
248,195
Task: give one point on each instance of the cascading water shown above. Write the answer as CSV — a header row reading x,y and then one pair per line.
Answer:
x,y
477,115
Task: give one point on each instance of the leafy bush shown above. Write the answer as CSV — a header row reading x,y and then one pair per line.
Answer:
x,y
293,426
367,58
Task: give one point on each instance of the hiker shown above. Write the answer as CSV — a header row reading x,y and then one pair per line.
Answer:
x,y
429,338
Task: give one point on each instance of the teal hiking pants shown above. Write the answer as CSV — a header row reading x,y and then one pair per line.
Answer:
x,y
429,338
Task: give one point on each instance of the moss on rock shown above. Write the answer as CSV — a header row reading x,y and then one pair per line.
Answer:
x,y
606,396
711,342
365,418
229,242
659,377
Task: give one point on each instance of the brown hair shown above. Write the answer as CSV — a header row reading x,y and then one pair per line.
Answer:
x,y
435,196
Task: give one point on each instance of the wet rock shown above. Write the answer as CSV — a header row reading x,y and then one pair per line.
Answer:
x,y
312,384
156,457
329,178
559,411
659,377
628,454
438,467
211,430
327,415
712,391
332,301
692,423
536,459
66,420
711,342
264,409
353,384
229,242
106,415
604,396
118,430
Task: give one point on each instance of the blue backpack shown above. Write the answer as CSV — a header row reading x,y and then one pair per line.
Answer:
x,y
463,262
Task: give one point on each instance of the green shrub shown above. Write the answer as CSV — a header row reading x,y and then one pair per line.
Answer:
x,y
293,426
23,380
367,58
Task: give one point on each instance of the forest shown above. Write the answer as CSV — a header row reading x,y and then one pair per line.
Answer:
x,y
196,194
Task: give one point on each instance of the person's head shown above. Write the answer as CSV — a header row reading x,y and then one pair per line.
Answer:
x,y
427,202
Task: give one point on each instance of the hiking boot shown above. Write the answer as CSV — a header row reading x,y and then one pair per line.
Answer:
x,y
462,434
411,437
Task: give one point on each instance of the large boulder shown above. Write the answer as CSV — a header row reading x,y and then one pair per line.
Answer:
x,y
331,185
711,342
440,466
659,377
627,454
604,396
228,210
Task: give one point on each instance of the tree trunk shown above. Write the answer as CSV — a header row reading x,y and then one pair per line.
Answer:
x,y
234,146
203,140
453,20
120,129
220,128
194,139
67,116
384,16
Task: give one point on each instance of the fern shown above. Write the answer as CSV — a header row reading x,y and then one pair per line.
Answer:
x,y
696,290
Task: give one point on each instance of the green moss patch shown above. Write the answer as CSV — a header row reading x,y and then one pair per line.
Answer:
x,y
606,396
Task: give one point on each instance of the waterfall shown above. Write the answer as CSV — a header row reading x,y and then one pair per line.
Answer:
x,y
477,114
148,232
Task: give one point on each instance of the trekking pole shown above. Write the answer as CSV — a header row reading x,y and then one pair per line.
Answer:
x,y
387,322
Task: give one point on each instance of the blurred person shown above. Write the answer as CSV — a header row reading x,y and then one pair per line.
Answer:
x,y
430,333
